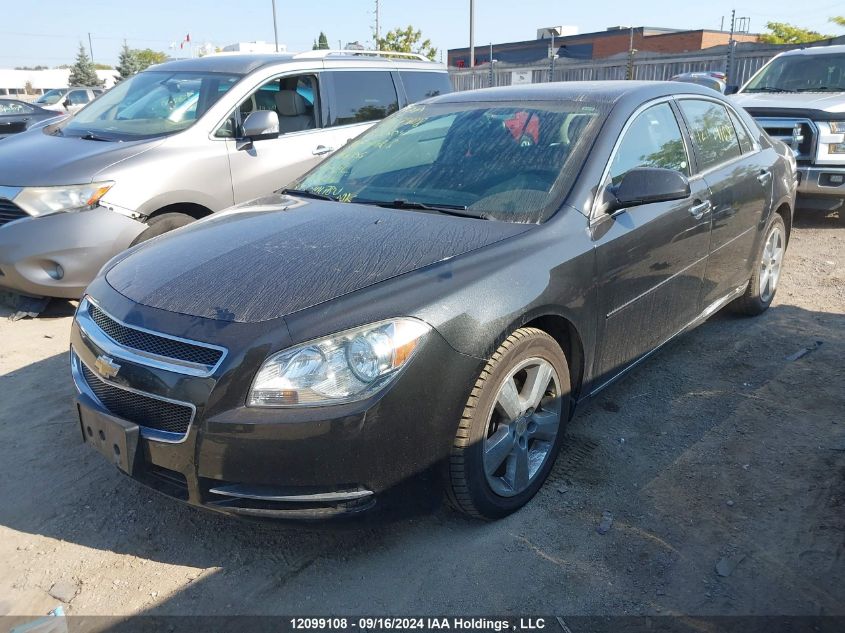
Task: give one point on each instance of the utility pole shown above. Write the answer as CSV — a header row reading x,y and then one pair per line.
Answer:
x,y
471,33
729,62
492,77
631,51
552,56
378,24
275,27
90,48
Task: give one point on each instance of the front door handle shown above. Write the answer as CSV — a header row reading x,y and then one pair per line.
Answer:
x,y
764,176
698,210
321,150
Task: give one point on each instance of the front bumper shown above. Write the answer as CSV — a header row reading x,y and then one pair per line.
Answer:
x,y
58,255
821,184
294,463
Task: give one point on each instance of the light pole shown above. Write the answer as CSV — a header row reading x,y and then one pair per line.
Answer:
x,y
471,33
275,27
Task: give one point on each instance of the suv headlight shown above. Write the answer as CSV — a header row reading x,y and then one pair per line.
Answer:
x,y
38,201
343,367
837,127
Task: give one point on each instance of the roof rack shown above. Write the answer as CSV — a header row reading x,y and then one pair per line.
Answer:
x,y
320,53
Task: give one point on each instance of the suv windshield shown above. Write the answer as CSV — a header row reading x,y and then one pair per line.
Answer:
x,y
498,160
824,72
150,104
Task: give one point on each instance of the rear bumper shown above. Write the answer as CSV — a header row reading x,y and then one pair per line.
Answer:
x,y
822,182
59,255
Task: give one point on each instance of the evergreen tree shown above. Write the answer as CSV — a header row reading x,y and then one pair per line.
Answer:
x,y
322,43
83,73
128,63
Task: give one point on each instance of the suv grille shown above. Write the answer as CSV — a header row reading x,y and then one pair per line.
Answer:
x,y
9,212
783,129
151,343
145,411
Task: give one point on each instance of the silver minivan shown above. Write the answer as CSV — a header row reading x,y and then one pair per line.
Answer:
x,y
178,142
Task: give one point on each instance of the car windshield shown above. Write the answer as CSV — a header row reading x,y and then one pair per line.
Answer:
x,y
150,104
509,161
50,97
824,72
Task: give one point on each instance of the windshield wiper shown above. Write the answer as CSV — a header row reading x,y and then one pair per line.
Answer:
x,y
90,136
448,209
820,89
304,193
766,89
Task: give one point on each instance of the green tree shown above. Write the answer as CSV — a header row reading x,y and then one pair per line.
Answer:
x,y
408,40
83,72
128,63
838,19
783,33
321,43
147,57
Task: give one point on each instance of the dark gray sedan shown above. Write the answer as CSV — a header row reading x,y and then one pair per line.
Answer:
x,y
441,293
18,116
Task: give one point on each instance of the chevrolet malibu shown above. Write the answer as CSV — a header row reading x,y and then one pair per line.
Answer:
x,y
440,295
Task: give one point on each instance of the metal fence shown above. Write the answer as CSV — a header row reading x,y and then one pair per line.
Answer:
x,y
646,66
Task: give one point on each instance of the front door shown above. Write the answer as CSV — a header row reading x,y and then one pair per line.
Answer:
x,y
650,258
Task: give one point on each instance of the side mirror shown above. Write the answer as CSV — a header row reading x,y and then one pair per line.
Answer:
x,y
731,90
645,185
258,126
66,103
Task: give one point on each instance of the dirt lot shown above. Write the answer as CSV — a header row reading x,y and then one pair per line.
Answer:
x,y
721,460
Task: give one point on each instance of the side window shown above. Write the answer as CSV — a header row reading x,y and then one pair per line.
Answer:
x,y
653,140
361,96
78,97
294,99
712,132
11,107
421,85
746,143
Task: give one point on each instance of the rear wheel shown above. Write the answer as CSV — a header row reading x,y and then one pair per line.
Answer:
x,y
161,224
764,280
511,428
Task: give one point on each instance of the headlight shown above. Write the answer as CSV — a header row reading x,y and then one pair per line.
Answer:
x,y
39,201
836,148
344,367
837,127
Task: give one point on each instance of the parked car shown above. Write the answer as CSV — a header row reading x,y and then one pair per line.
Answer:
x,y
799,98
440,293
68,100
710,79
177,142
17,116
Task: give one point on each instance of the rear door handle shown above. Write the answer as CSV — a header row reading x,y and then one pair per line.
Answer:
x,y
698,210
321,150
764,176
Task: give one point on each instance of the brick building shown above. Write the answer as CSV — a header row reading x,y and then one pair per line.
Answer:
x,y
600,44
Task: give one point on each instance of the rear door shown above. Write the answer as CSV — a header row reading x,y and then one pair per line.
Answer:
x,y
650,258
740,181
14,117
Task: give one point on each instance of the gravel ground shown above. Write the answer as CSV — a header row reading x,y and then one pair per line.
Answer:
x,y
717,467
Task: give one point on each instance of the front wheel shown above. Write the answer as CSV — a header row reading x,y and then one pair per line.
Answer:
x,y
161,224
764,280
511,428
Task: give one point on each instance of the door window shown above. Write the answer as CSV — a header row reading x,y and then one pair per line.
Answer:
x,y
293,99
13,107
362,96
712,132
78,97
653,140
746,143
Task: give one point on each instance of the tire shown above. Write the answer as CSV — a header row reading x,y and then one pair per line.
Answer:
x,y
161,224
767,268
486,431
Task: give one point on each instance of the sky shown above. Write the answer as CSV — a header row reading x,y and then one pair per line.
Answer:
x,y
48,32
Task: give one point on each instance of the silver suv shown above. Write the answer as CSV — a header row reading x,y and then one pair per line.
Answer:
x,y
177,142
799,98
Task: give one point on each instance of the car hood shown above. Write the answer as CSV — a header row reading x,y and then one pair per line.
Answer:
x,y
36,158
830,102
280,255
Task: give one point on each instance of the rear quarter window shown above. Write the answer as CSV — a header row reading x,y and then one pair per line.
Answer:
x,y
361,96
420,85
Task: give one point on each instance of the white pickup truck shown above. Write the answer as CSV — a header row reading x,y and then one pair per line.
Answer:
x,y
799,98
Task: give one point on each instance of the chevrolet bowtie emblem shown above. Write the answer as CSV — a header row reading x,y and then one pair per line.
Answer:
x,y
106,367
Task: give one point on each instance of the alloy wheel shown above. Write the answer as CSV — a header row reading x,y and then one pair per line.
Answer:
x,y
770,264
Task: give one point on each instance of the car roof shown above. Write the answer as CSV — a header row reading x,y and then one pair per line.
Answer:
x,y
604,91
816,50
244,64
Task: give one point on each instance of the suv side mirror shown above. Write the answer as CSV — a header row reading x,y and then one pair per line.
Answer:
x,y
66,103
731,90
645,185
258,126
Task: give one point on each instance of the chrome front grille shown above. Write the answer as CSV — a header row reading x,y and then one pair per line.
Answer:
x,y
799,134
9,212
145,346
144,410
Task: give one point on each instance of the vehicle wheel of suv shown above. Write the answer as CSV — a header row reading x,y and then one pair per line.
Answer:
x,y
511,428
764,280
161,224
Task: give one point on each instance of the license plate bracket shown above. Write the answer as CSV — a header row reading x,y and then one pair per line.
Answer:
x,y
115,439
